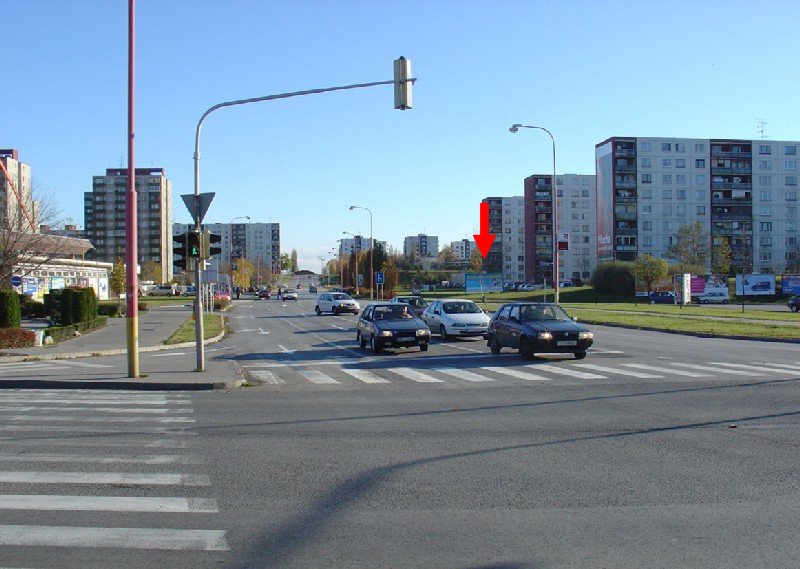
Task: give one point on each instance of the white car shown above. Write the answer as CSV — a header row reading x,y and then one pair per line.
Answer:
x,y
336,302
452,317
163,290
289,294
713,298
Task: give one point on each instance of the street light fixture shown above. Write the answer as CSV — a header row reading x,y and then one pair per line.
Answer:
x,y
355,252
515,128
371,251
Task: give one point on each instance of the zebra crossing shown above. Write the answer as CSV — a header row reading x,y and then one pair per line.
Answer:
x,y
102,469
471,372
21,369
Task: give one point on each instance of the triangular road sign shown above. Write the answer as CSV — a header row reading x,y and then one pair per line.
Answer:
x,y
198,205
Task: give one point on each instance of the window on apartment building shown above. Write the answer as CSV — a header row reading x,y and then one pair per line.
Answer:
x,y
765,164
584,193
646,194
647,225
575,216
791,211
701,210
584,228
666,147
666,178
700,163
646,209
520,240
766,226
666,210
647,241
699,147
680,147
666,194
647,178
680,210
790,150
520,258
644,162
560,193
790,180
765,196
765,241
700,179
646,146
680,162
791,226
585,239
791,196
575,193
667,227
765,256
765,210
765,180
680,194
666,162
790,165
520,230
764,149
791,241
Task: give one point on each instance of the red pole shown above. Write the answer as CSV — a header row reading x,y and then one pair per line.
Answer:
x,y
131,237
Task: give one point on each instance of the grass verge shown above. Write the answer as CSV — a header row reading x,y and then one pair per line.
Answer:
x,y
213,325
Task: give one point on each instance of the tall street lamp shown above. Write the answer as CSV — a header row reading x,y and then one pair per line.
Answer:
x,y
230,246
371,251
355,252
515,128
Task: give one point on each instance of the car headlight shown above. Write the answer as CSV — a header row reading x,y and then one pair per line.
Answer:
x,y
585,336
385,333
421,332
544,336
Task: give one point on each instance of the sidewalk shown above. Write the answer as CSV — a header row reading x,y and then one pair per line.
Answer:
x,y
155,327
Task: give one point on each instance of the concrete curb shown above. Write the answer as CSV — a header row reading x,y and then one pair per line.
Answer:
x,y
130,384
695,334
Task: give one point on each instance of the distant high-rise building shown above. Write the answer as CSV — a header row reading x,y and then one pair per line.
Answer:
x,y
104,217
463,249
17,209
421,245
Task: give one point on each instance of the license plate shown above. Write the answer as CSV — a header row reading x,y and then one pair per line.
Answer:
x,y
567,343
405,339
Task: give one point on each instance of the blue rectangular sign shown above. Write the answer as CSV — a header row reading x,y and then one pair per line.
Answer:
x,y
483,282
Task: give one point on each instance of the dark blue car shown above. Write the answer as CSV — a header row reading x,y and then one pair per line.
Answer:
x,y
664,297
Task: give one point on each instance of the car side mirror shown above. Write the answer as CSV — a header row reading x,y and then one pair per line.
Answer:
x,y
574,318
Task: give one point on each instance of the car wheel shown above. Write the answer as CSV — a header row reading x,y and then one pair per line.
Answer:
x,y
374,345
794,308
725,301
317,310
494,346
362,343
443,332
423,347
526,349
652,302
335,311
580,355
704,301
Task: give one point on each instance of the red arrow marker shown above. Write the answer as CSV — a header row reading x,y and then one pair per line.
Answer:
x,y
485,239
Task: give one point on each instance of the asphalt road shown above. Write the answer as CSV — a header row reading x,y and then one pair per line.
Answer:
x,y
628,458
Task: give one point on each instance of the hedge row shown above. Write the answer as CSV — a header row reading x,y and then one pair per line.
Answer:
x,y
17,338
61,333
10,312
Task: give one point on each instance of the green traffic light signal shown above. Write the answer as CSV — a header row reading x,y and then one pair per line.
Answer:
x,y
193,245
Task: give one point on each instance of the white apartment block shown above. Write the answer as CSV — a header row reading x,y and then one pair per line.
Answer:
x,y
358,243
463,249
421,246
17,209
259,243
744,191
577,218
513,238
104,217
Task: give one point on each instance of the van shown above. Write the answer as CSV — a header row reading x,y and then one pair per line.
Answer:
x,y
163,290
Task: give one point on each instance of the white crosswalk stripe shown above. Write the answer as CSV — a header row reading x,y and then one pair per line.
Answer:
x,y
315,376
754,368
364,375
569,372
415,375
710,368
67,410
664,370
618,371
462,374
785,366
514,372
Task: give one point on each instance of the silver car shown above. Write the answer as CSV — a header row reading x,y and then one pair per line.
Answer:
x,y
336,302
452,317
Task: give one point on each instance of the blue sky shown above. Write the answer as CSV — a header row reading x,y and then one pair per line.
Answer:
x,y
585,70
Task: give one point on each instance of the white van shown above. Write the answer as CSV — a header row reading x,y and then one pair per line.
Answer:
x,y
163,290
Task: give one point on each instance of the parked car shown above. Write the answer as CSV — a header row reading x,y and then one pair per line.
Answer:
x,y
566,284
662,297
222,295
289,294
163,290
456,317
312,289
264,293
191,290
336,302
713,298
537,327
391,324
793,303
418,303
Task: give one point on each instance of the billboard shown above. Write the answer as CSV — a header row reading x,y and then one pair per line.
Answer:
x,y
790,284
705,284
754,285
604,165
483,282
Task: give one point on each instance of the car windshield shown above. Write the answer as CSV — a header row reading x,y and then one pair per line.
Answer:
x,y
413,301
290,291
534,313
340,296
399,312
461,307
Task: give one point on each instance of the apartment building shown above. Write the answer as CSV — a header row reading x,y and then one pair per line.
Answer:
x,y
421,246
17,209
742,191
463,249
259,243
358,243
104,217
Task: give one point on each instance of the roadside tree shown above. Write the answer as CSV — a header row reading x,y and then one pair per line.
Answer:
x,y
648,270
691,248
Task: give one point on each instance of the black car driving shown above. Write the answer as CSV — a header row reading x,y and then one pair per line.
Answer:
x,y
537,327
394,325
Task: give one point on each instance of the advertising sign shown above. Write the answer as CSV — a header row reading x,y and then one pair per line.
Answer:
x,y
790,284
483,282
705,284
30,286
753,285
605,202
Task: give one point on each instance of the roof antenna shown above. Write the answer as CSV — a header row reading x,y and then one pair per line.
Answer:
x,y
761,123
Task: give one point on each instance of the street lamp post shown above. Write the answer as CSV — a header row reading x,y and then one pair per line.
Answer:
x,y
355,252
515,128
230,246
371,251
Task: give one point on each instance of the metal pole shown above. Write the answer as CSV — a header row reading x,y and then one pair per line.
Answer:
x,y
556,278
131,235
371,258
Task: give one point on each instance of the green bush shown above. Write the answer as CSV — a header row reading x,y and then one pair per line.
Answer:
x,y
110,310
32,308
52,305
222,304
614,278
17,338
61,333
10,311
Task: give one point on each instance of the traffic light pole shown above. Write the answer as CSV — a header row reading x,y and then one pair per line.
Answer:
x,y
198,310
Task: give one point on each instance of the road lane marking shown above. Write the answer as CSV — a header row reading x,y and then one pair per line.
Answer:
x,y
566,371
286,350
83,364
262,331
617,371
68,407
266,376
317,377
663,370
786,366
100,430
364,375
753,368
106,419
121,459
709,368
128,538
48,502
462,374
138,479
415,375
517,373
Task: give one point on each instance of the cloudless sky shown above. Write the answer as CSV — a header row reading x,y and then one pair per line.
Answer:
x,y
585,70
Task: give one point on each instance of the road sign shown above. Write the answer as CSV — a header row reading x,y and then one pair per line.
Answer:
x,y
198,205
379,277
360,279
16,280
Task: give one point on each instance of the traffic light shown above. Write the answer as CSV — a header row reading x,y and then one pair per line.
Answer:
x,y
402,84
180,250
193,244
209,241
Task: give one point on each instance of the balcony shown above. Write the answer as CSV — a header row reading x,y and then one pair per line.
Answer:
x,y
718,153
625,184
731,171
624,152
625,198
625,248
730,186
544,196
746,202
630,215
